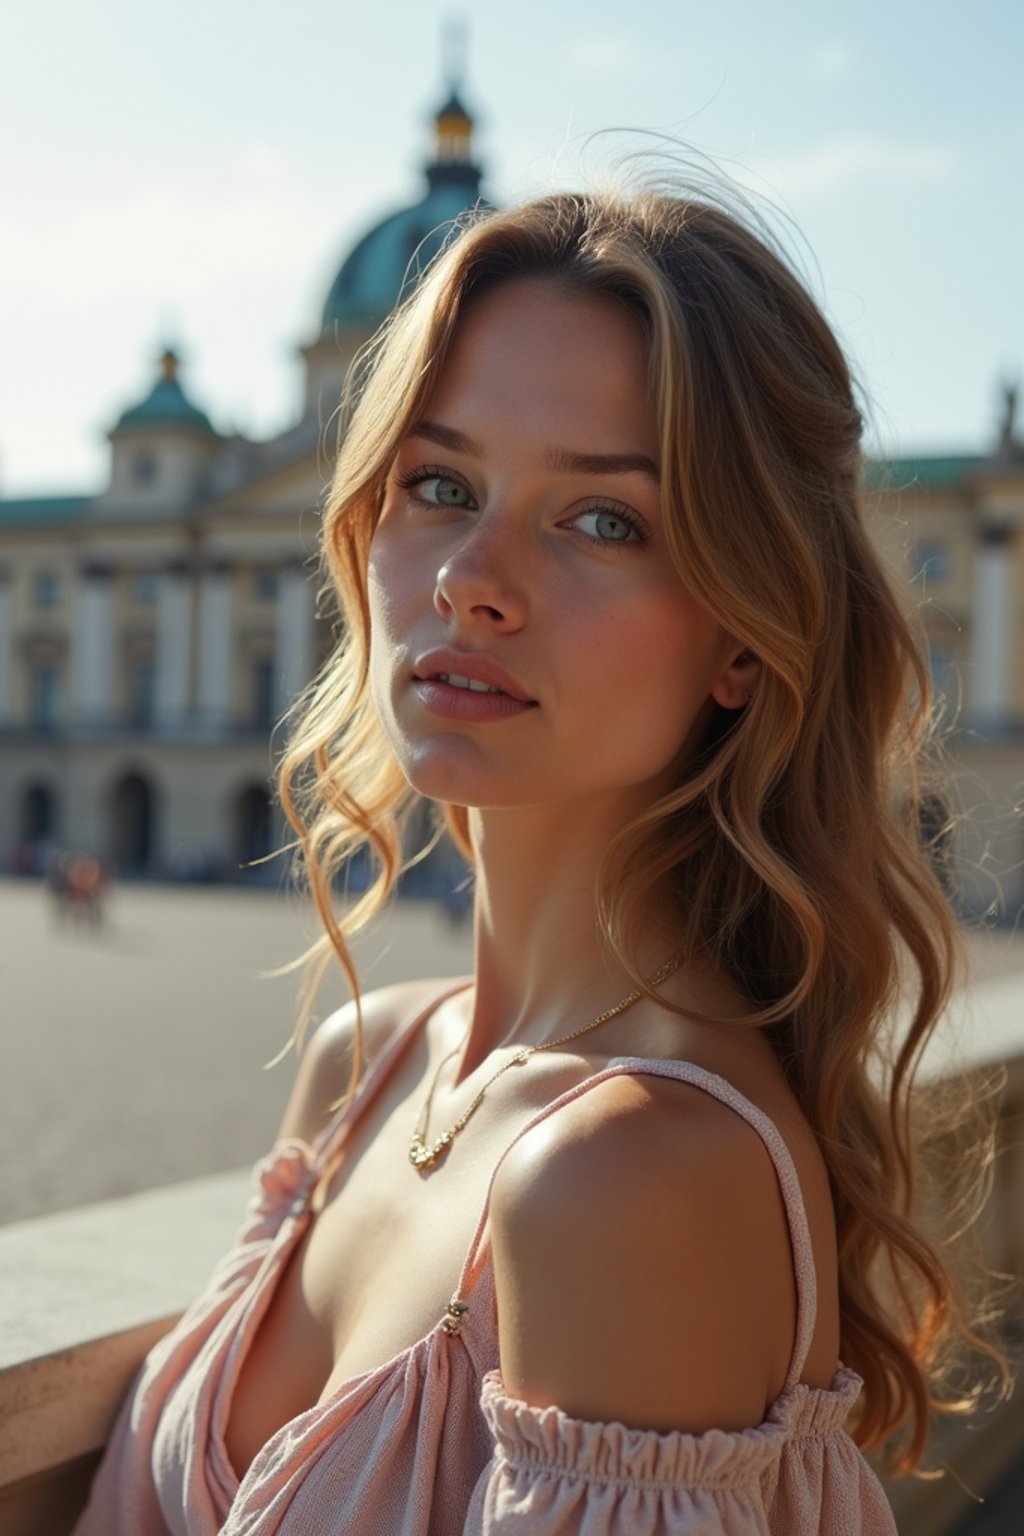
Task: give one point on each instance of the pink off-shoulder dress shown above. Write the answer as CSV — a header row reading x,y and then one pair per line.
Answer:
x,y
430,1443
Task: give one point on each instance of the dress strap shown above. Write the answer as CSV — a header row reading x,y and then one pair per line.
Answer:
x,y
345,1120
789,1185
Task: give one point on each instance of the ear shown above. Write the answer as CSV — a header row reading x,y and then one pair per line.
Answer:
x,y
737,680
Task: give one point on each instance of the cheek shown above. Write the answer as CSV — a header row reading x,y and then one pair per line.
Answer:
x,y
401,570
385,606
655,667
390,587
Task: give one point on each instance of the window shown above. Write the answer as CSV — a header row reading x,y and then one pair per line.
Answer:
x,y
930,561
263,693
46,589
144,588
264,584
44,696
145,468
142,690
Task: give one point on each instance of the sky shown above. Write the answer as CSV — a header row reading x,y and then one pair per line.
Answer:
x,y
195,173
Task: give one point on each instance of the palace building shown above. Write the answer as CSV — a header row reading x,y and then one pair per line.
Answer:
x,y
151,636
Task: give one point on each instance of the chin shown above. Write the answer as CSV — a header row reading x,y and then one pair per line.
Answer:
x,y
451,778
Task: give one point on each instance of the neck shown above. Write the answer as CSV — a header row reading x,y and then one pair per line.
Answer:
x,y
542,968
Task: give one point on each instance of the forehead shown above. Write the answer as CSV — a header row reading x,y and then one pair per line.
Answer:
x,y
569,365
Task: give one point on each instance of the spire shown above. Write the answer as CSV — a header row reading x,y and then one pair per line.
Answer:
x,y
453,125
454,34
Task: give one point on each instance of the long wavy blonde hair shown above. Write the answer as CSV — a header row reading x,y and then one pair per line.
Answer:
x,y
794,834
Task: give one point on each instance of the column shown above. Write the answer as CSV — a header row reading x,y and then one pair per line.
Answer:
x,y
213,687
990,698
92,652
294,647
6,647
173,645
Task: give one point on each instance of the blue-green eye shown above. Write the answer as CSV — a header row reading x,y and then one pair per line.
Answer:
x,y
608,526
437,489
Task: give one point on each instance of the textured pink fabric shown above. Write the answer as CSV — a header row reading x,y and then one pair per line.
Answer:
x,y
429,1444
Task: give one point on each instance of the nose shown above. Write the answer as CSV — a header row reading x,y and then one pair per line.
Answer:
x,y
480,582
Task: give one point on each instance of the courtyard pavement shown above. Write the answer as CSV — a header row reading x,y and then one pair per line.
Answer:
x,y
133,1055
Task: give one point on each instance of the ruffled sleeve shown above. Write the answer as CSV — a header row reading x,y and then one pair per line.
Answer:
x,y
795,1474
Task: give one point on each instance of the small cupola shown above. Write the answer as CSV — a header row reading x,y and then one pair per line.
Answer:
x,y
166,404
161,447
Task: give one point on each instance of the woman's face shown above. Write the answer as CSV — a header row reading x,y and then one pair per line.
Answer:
x,y
531,640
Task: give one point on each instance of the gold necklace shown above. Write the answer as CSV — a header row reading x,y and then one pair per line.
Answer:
x,y
423,1156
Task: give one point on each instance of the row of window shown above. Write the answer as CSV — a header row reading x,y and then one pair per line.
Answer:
x,y
47,587
46,694
142,692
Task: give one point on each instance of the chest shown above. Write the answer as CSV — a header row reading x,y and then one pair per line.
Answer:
x,y
372,1274
384,1254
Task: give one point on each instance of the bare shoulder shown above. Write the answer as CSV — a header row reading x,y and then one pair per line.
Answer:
x,y
326,1064
643,1261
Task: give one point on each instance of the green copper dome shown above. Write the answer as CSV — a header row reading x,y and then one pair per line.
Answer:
x,y
166,405
373,275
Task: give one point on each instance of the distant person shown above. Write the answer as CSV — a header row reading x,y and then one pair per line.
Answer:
x,y
78,883
612,1236
86,885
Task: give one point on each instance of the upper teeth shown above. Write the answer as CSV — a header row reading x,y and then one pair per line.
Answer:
x,y
466,682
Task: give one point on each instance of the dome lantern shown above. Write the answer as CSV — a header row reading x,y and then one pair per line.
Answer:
x,y
454,133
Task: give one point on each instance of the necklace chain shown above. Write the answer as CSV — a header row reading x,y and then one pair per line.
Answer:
x,y
423,1155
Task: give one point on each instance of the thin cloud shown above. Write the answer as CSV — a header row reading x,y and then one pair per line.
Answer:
x,y
839,163
835,59
604,55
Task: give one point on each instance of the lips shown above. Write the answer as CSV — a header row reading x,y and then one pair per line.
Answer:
x,y
469,672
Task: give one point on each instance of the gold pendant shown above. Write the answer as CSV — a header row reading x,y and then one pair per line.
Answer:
x,y
421,1156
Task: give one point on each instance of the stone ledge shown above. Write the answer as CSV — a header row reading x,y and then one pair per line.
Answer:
x,y
89,1292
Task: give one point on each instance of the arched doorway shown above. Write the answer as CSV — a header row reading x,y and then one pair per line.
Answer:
x,y
133,816
38,819
254,826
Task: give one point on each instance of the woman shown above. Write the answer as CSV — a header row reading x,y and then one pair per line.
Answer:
x,y
595,529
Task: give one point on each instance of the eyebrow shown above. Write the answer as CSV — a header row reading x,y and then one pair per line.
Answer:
x,y
561,460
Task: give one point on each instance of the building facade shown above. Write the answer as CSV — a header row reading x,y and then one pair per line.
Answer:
x,y
952,531
151,636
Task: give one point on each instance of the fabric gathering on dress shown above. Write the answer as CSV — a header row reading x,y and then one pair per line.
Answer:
x,y
430,1444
